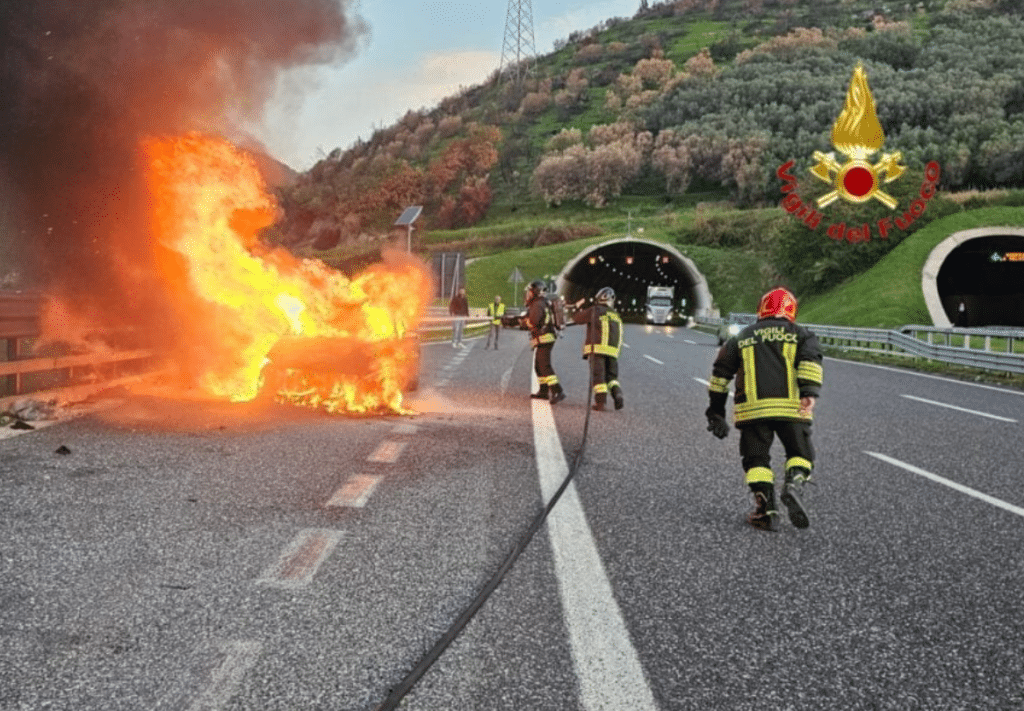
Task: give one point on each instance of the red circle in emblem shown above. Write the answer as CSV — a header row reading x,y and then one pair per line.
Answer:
x,y
859,181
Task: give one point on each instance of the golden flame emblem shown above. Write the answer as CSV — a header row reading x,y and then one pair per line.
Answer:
x,y
858,135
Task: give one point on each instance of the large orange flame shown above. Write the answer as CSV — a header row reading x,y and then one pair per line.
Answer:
x,y
255,318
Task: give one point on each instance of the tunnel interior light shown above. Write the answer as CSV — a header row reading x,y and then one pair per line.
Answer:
x,y
593,260
629,259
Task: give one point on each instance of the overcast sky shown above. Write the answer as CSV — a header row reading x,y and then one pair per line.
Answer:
x,y
414,54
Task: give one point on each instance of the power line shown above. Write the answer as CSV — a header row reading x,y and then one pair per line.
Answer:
x,y
517,51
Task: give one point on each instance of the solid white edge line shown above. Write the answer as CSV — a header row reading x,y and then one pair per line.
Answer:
x,y
957,408
652,358
607,665
928,375
951,484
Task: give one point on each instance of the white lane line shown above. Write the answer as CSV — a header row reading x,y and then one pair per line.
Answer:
x,y
692,343
607,665
300,560
405,429
505,378
355,492
232,661
951,484
706,384
905,371
626,345
387,452
959,409
652,358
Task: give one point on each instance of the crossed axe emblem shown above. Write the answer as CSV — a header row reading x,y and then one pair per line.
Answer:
x,y
857,180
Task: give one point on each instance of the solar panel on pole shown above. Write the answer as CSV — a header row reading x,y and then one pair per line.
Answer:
x,y
406,219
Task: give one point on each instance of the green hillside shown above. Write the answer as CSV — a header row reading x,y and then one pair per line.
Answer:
x,y
676,120
889,294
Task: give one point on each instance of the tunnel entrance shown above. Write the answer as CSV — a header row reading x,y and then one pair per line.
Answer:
x,y
630,267
981,282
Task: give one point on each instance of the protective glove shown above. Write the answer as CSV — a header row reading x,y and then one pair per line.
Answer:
x,y
717,424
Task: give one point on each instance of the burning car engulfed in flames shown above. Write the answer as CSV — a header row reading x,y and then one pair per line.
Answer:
x,y
252,321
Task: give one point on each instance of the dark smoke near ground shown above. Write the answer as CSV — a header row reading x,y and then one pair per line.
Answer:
x,y
83,81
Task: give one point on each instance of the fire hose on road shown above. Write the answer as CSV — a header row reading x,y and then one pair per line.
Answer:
x,y
394,698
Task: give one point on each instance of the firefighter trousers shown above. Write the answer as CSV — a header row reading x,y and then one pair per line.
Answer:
x,y
756,439
542,366
604,377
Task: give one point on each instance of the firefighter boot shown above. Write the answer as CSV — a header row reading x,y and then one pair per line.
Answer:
x,y
762,516
792,491
557,394
541,394
617,396
599,401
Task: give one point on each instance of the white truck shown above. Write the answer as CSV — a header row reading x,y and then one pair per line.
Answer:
x,y
659,303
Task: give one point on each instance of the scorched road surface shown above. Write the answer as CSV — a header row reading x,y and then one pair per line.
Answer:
x,y
201,556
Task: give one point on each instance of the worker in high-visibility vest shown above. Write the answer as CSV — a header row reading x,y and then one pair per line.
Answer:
x,y
494,312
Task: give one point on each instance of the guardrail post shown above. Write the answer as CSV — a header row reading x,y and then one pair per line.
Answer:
x,y
988,343
13,353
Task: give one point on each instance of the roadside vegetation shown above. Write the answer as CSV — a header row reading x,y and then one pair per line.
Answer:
x,y
674,122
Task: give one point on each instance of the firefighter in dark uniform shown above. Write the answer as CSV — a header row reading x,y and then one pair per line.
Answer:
x,y
543,332
602,346
777,366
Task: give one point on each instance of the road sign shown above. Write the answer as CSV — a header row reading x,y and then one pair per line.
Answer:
x,y
515,278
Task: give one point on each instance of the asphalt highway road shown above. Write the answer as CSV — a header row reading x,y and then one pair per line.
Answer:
x,y
195,555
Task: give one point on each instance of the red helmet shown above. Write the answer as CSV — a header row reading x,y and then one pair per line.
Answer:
x,y
777,303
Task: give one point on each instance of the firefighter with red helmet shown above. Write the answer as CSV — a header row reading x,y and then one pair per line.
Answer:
x,y
540,319
777,366
602,346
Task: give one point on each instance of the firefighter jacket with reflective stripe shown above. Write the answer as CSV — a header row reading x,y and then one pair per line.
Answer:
x,y
495,312
604,333
540,321
775,363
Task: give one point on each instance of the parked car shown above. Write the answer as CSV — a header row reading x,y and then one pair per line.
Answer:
x,y
515,317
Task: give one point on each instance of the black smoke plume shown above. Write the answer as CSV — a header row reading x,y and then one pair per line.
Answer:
x,y
82,82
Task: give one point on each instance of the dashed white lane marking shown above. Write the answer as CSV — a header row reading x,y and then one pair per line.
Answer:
x,y
626,345
687,340
505,378
957,408
706,384
607,665
300,560
387,452
652,358
951,484
355,492
232,661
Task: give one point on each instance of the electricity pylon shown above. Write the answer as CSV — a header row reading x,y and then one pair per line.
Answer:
x,y
517,52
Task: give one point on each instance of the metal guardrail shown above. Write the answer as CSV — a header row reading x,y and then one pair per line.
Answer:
x,y
62,377
24,375
976,347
